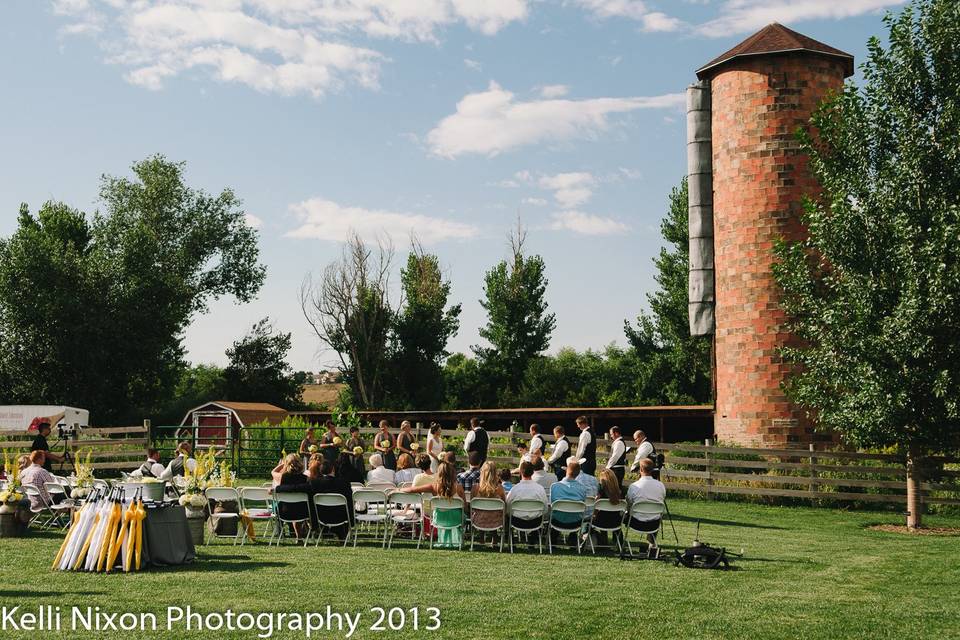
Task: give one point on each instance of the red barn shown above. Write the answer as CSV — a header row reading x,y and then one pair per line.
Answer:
x,y
219,422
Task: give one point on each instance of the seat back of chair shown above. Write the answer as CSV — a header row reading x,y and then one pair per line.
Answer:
x,y
370,496
487,504
222,494
646,510
604,504
404,485
405,499
329,500
529,505
382,486
54,488
569,506
256,497
292,498
101,484
443,504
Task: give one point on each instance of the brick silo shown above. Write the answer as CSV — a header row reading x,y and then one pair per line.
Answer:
x,y
761,91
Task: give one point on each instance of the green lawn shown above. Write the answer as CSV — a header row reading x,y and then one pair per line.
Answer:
x,y
806,574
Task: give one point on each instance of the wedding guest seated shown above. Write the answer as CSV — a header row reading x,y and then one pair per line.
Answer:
x,y
445,485
323,480
467,479
568,489
36,475
292,481
646,489
378,473
506,479
346,470
523,452
313,466
526,489
425,466
406,472
488,487
151,468
180,461
541,476
591,485
610,490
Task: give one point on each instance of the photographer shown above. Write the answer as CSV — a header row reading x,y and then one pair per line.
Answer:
x,y
40,444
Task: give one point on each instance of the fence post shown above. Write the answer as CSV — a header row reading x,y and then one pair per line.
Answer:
x,y
814,488
149,429
706,464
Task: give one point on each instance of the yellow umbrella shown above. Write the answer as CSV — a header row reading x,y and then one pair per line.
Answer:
x,y
66,539
141,516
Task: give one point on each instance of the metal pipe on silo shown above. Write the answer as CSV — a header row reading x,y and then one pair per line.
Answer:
x,y
700,209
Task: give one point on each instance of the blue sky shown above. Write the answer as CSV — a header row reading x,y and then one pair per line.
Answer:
x,y
450,118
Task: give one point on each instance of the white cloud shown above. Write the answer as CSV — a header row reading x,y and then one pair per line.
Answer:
x,y
278,46
327,220
554,90
536,202
740,16
587,224
491,122
569,189
253,221
634,10
473,65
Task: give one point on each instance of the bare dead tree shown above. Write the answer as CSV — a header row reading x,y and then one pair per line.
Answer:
x,y
349,309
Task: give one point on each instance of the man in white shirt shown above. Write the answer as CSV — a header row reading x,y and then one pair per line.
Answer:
x,y
536,441
646,489
617,460
180,462
644,449
586,446
476,439
541,476
151,468
526,489
378,473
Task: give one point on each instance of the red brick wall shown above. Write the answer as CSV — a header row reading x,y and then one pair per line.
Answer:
x,y
759,176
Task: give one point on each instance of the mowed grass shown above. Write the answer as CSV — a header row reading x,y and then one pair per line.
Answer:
x,y
806,573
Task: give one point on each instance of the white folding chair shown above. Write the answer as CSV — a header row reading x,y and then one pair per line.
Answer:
x,y
257,504
645,518
531,510
406,509
375,514
604,505
332,500
101,484
573,508
440,505
291,499
47,514
404,485
487,504
221,495
382,486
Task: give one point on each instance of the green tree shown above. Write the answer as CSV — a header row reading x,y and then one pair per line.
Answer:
x,y
874,291
92,311
518,326
674,367
465,385
421,331
258,370
197,385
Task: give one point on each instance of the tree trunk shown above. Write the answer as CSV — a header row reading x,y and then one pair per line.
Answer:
x,y
914,498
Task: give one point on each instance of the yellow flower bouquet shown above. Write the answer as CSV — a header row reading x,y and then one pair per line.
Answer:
x,y
338,441
357,451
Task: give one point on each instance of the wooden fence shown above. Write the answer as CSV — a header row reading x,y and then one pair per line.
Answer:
x,y
111,448
837,476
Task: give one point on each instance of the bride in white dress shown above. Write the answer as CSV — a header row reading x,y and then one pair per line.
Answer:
x,y
434,446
